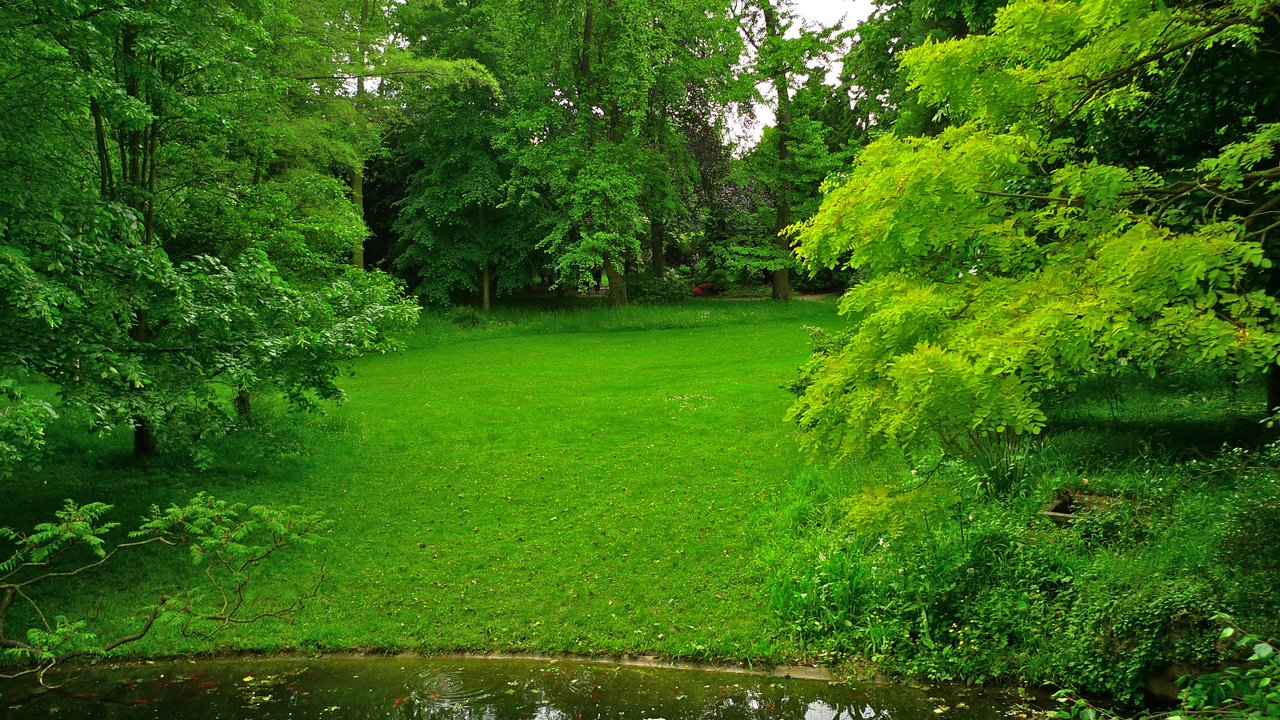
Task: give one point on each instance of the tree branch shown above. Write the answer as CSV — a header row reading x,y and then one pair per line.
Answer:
x,y
122,640
1031,196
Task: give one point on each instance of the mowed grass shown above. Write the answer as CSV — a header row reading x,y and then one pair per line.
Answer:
x,y
567,482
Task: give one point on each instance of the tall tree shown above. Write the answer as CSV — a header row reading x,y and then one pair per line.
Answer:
x,y
455,234
453,231
579,79
786,53
124,123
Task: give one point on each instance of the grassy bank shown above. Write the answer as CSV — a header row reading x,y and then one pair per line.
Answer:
x,y
593,481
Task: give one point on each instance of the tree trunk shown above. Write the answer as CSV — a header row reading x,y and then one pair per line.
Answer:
x,y
357,172
658,247
485,303
782,194
1273,389
137,168
617,283
357,198
243,402
144,440
100,144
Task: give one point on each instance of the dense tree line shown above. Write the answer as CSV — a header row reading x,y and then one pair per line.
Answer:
x,y
604,149
193,189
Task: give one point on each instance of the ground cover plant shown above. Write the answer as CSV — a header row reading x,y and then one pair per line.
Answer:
x,y
589,481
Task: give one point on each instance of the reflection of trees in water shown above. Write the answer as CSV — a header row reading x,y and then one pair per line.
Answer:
x,y
472,690
570,692
753,704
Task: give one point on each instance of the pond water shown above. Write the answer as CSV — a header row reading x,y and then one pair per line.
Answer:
x,y
333,688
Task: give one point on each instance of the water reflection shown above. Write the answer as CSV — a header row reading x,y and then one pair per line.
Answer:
x,y
453,689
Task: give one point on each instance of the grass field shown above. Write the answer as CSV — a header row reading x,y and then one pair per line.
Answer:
x,y
593,482
605,482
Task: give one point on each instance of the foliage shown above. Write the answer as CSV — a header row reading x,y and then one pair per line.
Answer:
x,y
596,94
1005,257
229,542
1245,689
920,572
871,71
172,223
451,223
645,289
1246,692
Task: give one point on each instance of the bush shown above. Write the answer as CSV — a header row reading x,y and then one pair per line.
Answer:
x,y
1247,689
823,280
469,317
645,289
932,577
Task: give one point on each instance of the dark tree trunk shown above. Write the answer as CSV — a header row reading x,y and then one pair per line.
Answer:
x,y
485,281
357,198
144,440
1273,389
357,172
782,199
104,157
137,148
658,247
243,402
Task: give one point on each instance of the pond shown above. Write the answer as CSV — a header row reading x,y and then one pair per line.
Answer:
x,y
465,688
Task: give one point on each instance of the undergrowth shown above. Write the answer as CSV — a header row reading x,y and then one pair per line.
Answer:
x,y
928,573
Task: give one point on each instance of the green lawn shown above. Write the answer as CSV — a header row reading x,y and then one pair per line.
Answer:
x,y
564,482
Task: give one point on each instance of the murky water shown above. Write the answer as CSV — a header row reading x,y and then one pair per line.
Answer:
x,y
456,689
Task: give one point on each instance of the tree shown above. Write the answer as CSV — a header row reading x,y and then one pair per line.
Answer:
x,y
781,61
126,130
1021,251
455,232
871,74
586,85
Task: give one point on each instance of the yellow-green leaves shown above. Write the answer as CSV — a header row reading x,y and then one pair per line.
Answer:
x,y
1006,256
887,216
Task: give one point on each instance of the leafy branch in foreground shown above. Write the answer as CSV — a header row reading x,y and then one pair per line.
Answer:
x,y
231,542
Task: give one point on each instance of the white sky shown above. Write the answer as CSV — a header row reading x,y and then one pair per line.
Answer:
x,y
826,12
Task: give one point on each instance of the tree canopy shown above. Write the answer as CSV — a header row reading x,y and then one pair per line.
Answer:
x,y
173,222
1027,247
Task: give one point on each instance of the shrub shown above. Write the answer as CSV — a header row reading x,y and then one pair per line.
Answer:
x,y
932,577
645,289
469,317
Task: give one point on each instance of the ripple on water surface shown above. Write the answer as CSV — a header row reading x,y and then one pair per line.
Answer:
x,y
464,689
